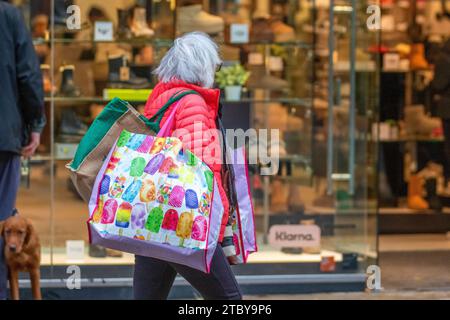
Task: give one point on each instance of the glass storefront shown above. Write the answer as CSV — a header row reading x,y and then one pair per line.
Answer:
x,y
313,77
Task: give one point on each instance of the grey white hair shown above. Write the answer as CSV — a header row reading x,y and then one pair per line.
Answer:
x,y
193,58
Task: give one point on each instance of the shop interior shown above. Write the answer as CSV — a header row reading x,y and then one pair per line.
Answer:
x,y
359,133
414,156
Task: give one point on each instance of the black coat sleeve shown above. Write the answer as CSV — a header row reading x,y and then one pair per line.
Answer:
x,y
441,81
29,77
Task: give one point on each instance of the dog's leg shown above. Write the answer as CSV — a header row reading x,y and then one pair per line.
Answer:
x,y
14,284
35,276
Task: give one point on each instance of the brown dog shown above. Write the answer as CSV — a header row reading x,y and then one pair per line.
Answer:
x,y
22,254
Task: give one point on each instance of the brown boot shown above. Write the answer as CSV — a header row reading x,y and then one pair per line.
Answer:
x,y
417,58
261,31
434,171
281,31
415,194
48,86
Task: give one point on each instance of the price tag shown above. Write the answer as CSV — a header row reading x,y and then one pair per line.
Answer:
x,y
75,249
255,59
239,33
124,73
104,31
391,61
276,64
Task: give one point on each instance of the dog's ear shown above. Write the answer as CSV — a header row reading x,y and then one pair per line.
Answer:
x,y
2,224
30,233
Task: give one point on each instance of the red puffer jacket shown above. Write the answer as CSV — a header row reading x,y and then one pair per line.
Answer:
x,y
200,110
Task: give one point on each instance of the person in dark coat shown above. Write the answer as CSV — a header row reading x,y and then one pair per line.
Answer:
x,y
22,111
441,86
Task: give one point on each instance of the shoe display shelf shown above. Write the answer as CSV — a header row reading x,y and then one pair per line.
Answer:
x,y
412,33
281,81
286,51
168,42
160,45
80,100
303,103
407,221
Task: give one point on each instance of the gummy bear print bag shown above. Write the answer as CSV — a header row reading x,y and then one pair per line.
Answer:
x,y
155,199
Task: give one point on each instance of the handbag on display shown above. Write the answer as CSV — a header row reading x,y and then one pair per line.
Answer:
x,y
153,198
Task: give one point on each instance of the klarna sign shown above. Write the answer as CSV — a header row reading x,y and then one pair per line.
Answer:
x,y
294,236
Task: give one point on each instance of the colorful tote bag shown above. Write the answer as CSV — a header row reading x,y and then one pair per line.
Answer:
x,y
102,135
155,199
98,141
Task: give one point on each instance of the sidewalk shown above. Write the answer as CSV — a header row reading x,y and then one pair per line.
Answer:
x,y
383,295
405,275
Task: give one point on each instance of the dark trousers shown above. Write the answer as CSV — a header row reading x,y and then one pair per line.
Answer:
x,y
9,184
154,278
446,123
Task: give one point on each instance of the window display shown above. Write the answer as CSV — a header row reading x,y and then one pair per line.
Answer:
x,y
303,68
414,188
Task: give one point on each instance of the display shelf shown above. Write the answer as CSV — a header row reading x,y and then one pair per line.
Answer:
x,y
137,42
295,158
407,211
269,255
41,157
414,139
306,102
168,42
77,100
406,221
414,242
395,71
306,181
406,70
361,66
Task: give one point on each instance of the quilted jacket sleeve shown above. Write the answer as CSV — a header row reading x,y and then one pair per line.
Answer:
x,y
195,126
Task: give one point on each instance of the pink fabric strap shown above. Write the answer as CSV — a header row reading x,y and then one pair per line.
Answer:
x,y
168,125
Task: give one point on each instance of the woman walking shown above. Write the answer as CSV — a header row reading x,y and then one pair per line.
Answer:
x,y
190,65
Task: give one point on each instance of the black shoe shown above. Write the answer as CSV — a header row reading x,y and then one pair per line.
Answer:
x,y
97,251
123,30
134,82
71,125
432,197
349,261
68,88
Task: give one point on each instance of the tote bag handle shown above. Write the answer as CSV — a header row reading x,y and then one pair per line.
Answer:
x,y
155,121
168,125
